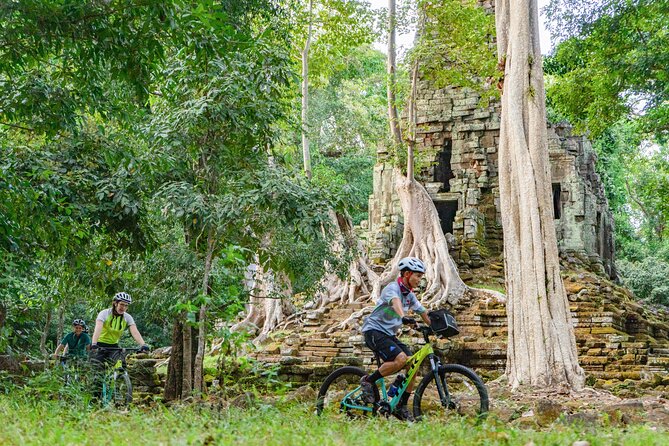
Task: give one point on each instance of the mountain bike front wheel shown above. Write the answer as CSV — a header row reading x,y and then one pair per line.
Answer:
x,y
122,390
464,394
341,393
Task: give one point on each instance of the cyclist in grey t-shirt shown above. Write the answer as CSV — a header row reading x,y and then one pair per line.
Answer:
x,y
381,326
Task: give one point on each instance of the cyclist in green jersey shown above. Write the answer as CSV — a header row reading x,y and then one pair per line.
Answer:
x,y
110,325
78,343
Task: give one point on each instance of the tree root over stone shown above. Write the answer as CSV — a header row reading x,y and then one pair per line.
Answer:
x,y
423,238
334,290
269,303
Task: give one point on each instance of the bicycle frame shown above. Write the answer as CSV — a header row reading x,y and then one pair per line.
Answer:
x,y
414,363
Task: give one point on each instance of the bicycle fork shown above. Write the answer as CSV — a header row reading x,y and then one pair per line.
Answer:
x,y
444,396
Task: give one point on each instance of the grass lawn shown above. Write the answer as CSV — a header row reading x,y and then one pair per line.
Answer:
x,y
38,421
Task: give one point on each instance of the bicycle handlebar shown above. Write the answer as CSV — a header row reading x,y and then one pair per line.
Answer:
x,y
68,358
426,330
118,349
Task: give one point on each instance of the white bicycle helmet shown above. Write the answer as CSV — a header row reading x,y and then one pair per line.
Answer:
x,y
123,297
79,322
412,264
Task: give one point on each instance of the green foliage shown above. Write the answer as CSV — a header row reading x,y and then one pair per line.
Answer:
x,y
216,124
456,47
242,374
130,132
348,176
647,183
636,178
647,278
347,112
339,26
608,78
57,57
611,64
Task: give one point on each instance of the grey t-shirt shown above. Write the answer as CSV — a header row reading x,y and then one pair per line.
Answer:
x,y
383,317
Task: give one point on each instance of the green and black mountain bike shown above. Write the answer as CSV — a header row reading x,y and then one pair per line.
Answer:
x,y
116,387
444,390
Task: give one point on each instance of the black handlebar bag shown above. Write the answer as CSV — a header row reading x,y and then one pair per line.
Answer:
x,y
443,323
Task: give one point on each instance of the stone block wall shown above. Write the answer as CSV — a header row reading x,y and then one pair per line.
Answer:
x,y
583,221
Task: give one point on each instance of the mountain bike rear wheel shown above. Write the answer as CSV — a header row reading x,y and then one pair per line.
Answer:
x,y
340,393
465,393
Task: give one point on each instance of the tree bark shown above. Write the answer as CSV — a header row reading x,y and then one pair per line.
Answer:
x,y
541,348
424,238
269,304
61,322
3,315
412,121
334,289
393,119
45,332
201,338
187,353
173,385
306,154
412,103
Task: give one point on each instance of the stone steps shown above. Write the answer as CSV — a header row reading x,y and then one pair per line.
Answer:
x,y
615,339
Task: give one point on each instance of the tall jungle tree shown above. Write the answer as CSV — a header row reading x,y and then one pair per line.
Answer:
x,y
224,94
541,347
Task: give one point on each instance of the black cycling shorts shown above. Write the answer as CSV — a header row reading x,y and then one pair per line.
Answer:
x,y
388,347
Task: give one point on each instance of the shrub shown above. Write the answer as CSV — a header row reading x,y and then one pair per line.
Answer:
x,y
647,278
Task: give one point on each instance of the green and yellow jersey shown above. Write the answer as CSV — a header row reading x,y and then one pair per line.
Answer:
x,y
113,326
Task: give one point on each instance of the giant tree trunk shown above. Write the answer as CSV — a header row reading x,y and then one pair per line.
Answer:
x,y
541,348
201,337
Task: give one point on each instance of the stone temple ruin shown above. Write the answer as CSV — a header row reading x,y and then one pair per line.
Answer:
x,y
457,141
617,339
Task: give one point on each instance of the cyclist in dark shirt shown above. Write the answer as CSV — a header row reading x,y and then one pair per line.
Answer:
x,y
77,342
